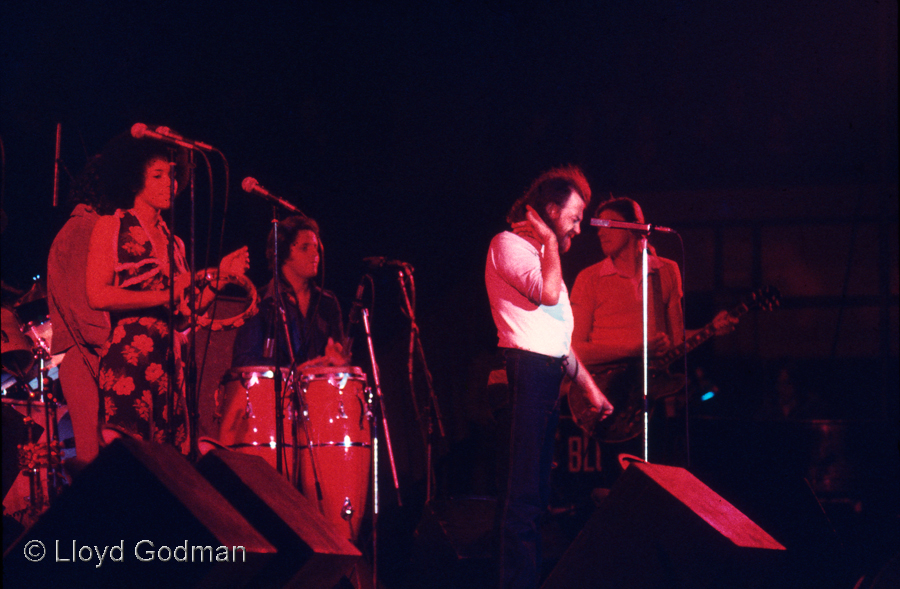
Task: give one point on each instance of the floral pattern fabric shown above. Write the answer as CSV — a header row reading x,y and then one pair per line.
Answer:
x,y
134,381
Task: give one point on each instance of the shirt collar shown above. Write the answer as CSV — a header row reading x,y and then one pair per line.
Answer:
x,y
607,268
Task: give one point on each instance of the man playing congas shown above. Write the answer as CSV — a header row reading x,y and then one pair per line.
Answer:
x,y
334,437
313,314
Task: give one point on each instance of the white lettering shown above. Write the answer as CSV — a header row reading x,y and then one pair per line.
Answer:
x,y
121,549
184,551
234,550
60,559
201,549
221,554
89,556
148,556
101,556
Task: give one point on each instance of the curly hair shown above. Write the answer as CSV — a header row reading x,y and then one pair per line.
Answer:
x,y
553,186
628,208
287,234
123,165
86,188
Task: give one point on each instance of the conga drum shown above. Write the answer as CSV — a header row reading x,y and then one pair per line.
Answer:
x,y
245,409
338,451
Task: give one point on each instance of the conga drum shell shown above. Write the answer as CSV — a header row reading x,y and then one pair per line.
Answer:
x,y
338,450
246,412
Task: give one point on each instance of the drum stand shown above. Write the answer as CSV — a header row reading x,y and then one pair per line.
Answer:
x,y
36,500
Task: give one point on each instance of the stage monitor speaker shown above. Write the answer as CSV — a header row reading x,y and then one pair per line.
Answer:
x,y
138,516
660,527
311,553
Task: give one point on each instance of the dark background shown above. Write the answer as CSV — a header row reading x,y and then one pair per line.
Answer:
x,y
765,132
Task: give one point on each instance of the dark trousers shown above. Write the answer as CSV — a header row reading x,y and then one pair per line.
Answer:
x,y
534,382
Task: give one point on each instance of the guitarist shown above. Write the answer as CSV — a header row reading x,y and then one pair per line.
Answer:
x,y
606,298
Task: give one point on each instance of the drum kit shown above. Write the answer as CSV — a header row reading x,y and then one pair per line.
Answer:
x,y
327,453
32,416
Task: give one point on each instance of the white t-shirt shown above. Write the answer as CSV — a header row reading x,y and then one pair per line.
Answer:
x,y
514,285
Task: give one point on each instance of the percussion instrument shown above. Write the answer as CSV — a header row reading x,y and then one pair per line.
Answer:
x,y
245,409
338,449
17,357
211,278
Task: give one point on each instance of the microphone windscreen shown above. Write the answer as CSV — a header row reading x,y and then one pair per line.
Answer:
x,y
138,130
249,184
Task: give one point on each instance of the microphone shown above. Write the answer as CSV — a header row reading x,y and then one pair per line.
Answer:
x,y
375,262
140,130
643,228
169,133
356,306
251,186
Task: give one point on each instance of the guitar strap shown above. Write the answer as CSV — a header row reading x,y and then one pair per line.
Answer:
x,y
655,304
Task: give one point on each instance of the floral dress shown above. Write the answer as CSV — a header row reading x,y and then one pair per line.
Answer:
x,y
133,378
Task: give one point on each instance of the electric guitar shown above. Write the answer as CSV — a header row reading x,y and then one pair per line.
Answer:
x,y
621,382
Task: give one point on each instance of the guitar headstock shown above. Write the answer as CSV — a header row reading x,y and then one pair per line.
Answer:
x,y
765,298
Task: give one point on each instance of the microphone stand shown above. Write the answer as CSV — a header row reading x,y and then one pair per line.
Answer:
x,y
190,382
171,369
645,231
298,402
359,309
376,380
300,413
433,410
645,320
277,314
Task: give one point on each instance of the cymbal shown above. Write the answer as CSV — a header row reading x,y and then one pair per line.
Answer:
x,y
37,292
6,288
15,348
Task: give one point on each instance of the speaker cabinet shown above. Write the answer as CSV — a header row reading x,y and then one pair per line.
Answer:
x,y
311,553
661,527
138,516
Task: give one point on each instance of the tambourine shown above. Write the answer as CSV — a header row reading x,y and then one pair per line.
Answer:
x,y
211,277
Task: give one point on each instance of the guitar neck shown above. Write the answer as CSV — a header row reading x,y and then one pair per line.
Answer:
x,y
696,340
690,345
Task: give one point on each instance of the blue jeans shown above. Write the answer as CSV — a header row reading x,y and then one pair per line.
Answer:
x,y
534,382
